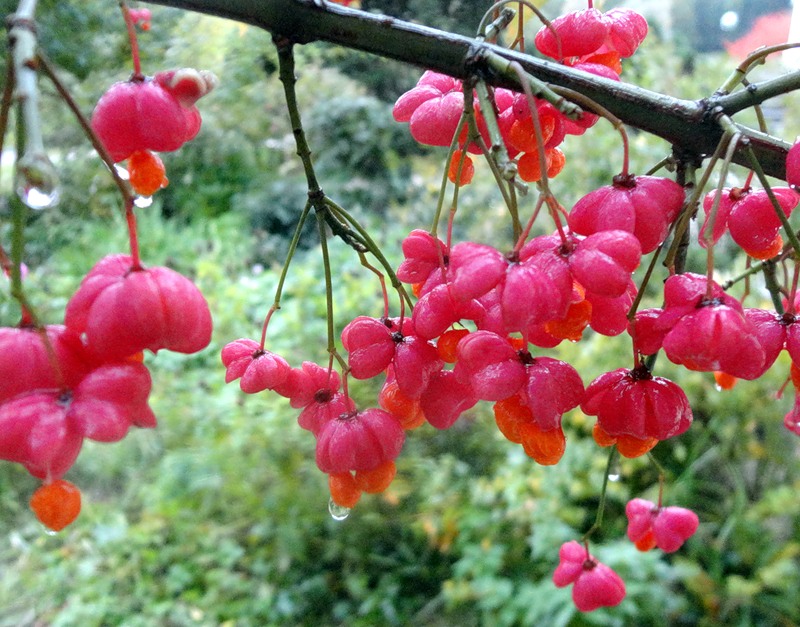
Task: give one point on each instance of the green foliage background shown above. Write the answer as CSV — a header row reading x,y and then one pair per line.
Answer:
x,y
219,517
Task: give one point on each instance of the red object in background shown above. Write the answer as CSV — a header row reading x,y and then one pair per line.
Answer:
x,y
767,30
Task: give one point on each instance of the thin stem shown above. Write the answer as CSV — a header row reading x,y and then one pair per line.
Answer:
x,y
382,280
483,31
276,303
496,26
587,103
133,237
756,57
137,66
5,103
498,159
537,128
733,145
288,79
326,265
543,183
755,269
774,289
18,220
498,148
18,216
371,246
645,281
474,136
527,230
539,89
22,40
793,290
790,234
443,187
49,71
682,224
598,521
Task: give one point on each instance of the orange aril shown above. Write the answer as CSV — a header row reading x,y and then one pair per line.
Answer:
x,y
518,343
405,409
609,59
794,372
447,343
136,357
555,163
631,447
146,173
344,491
467,169
627,445
522,135
376,480
510,414
545,447
724,380
56,504
646,542
571,326
601,437
529,168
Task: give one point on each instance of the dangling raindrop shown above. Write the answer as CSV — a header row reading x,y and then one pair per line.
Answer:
x,y
337,511
143,201
123,173
614,472
50,532
37,182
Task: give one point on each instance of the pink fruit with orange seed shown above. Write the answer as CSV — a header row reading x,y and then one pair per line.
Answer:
x,y
634,402
357,441
595,585
665,527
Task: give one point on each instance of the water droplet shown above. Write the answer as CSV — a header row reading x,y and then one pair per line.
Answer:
x,y
50,532
337,511
37,181
123,173
718,387
143,201
613,476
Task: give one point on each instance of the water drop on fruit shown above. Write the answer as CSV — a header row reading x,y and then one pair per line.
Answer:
x,y
338,512
37,182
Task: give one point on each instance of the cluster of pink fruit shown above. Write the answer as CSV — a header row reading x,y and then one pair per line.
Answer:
x,y
86,379
481,311
587,40
649,525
